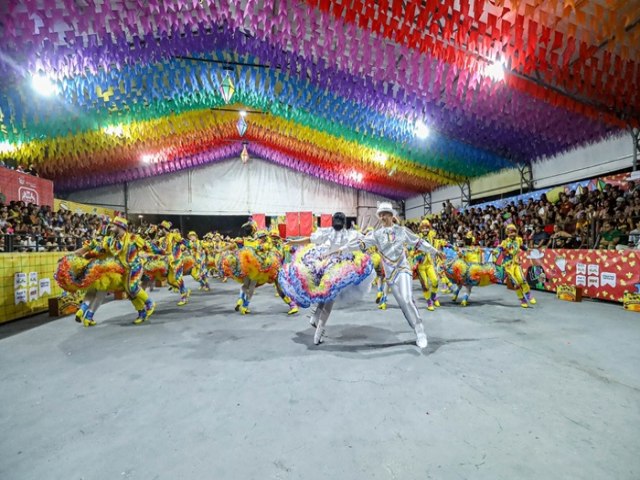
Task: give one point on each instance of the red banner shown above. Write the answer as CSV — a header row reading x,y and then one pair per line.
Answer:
x,y
293,224
26,188
306,223
260,220
603,274
325,220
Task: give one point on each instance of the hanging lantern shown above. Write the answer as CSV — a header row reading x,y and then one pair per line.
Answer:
x,y
241,126
244,156
227,88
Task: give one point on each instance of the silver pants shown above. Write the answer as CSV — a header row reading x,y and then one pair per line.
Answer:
x,y
401,289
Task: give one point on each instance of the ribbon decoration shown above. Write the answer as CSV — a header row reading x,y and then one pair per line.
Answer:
x,y
480,125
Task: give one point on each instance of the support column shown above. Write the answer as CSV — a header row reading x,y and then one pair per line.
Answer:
x,y
526,178
427,203
465,193
126,199
635,134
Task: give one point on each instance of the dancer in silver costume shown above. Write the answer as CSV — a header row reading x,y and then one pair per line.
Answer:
x,y
391,240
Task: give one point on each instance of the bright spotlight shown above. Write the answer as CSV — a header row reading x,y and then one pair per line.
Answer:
x,y
146,158
6,147
495,71
380,157
421,130
115,130
243,113
357,176
43,85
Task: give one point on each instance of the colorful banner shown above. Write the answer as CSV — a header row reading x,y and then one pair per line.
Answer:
x,y
26,188
603,274
76,207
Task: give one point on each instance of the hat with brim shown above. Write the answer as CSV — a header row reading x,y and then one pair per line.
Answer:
x,y
120,222
385,207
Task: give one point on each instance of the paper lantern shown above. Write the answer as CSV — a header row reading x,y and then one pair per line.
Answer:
x,y
244,156
241,126
227,88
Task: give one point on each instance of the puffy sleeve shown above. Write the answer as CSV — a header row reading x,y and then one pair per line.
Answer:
x,y
319,236
96,246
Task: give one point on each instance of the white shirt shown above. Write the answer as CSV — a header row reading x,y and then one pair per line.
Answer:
x,y
391,242
331,240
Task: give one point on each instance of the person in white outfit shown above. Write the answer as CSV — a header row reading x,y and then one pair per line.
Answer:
x,y
391,241
331,240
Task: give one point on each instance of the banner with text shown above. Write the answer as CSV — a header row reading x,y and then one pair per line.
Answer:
x,y
26,188
603,274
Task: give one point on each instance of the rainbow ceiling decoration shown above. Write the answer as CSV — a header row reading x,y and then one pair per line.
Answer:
x,y
334,89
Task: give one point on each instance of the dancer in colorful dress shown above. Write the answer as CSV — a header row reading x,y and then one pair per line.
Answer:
x,y
471,253
251,260
173,245
381,283
276,242
509,250
391,241
200,271
320,272
125,247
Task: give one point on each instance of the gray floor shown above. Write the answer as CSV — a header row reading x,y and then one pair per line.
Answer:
x,y
204,393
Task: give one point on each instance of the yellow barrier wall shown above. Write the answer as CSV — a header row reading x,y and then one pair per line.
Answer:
x,y
11,263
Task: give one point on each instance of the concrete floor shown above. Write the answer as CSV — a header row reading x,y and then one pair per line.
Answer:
x,y
204,393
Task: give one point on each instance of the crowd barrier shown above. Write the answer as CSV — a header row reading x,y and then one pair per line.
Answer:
x,y
27,284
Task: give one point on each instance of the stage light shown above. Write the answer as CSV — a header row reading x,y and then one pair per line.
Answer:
x,y
43,85
380,157
421,130
6,147
115,130
495,71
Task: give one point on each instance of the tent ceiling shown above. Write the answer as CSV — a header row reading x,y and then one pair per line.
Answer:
x,y
341,85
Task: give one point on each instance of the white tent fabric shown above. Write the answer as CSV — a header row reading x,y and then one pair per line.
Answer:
x,y
234,188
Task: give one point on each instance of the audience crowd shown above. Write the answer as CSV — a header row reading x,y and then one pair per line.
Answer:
x,y
31,228
607,219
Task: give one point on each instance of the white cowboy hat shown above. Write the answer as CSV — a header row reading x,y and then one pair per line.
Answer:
x,y
385,207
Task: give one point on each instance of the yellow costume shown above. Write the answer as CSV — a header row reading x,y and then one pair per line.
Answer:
x,y
426,267
510,248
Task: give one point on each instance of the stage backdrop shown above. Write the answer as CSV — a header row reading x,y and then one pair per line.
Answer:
x,y
24,187
234,188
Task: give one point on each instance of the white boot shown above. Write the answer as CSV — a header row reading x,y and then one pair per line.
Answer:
x,y
317,338
421,337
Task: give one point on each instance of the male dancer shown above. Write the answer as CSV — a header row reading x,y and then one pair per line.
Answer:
x,y
511,247
173,246
391,241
